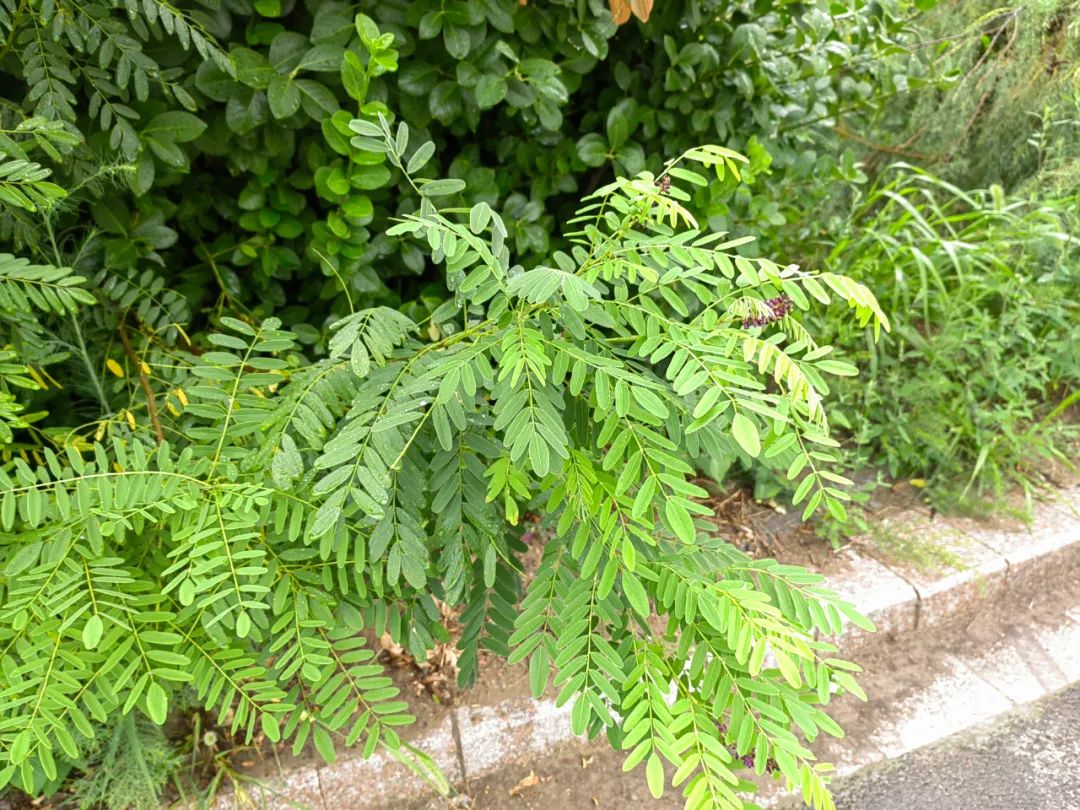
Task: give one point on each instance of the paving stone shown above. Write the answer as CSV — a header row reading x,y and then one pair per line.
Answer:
x,y
1041,664
947,591
1062,646
1005,667
353,782
887,599
493,736
952,703
854,761
1047,551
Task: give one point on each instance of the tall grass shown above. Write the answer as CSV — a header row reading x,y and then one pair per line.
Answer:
x,y
982,291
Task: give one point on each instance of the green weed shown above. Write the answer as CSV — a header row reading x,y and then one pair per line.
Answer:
x,y
982,289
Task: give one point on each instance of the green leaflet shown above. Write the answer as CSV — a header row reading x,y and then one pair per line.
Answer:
x,y
298,500
746,434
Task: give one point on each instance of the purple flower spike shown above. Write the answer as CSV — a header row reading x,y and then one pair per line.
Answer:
x,y
778,308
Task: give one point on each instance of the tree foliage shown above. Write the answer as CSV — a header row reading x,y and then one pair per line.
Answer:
x,y
261,418
214,115
243,562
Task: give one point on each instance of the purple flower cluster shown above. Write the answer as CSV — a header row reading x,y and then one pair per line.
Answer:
x,y
747,760
778,308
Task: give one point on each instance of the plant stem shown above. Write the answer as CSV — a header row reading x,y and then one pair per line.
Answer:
x,y
151,403
98,387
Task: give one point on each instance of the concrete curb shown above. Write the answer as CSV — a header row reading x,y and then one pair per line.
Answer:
x,y
968,690
969,693
900,599
486,738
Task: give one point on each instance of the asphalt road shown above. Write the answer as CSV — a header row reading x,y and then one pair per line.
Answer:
x,y
1029,760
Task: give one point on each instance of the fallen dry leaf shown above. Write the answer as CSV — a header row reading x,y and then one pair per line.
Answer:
x,y
642,9
532,780
436,675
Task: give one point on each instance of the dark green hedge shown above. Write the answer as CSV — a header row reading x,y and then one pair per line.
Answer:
x,y
211,142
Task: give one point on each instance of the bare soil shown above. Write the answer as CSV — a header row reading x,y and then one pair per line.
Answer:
x,y
589,774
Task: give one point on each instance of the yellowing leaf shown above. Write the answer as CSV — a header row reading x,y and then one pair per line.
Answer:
x,y
642,9
92,631
36,377
788,669
620,10
654,775
45,373
114,367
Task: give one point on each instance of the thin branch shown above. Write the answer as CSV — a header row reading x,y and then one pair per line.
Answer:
x,y
900,151
151,403
99,389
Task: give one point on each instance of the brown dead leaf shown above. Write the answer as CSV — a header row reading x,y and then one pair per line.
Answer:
x,y
435,676
620,10
778,508
532,780
642,9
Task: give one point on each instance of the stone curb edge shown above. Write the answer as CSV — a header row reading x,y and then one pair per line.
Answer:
x,y
474,741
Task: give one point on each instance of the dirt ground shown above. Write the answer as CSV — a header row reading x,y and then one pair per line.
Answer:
x,y
589,775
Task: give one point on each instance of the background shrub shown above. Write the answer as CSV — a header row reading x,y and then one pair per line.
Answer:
x,y
980,287
239,116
